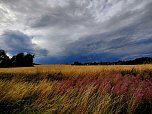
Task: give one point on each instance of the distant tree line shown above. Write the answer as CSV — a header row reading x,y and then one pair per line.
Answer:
x,y
19,60
143,60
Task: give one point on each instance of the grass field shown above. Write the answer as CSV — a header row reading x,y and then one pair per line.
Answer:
x,y
66,89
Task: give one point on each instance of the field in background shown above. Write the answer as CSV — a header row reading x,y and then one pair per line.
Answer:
x,y
57,89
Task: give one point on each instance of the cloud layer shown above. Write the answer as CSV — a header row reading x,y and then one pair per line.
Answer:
x,y
82,29
16,42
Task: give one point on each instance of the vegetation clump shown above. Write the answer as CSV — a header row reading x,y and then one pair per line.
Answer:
x,y
19,60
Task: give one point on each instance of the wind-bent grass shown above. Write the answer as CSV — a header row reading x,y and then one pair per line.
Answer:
x,y
63,89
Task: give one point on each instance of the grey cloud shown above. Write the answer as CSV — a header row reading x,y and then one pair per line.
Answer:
x,y
83,27
15,42
130,39
71,15
122,43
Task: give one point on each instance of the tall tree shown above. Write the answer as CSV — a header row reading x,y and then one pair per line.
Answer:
x,y
28,59
4,59
22,60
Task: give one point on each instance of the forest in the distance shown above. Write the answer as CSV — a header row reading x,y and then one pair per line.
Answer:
x,y
19,60
26,60
142,60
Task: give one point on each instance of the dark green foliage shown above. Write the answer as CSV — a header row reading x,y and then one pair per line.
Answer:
x,y
77,63
143,60
4,59
22,60
19,60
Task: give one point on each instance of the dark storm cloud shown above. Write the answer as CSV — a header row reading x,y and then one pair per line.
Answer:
x,y
128,42
15,42
67,28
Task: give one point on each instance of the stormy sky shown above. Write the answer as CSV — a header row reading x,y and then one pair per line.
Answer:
x,y
63,31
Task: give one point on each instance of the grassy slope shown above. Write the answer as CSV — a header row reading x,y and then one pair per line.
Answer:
x,y
76,89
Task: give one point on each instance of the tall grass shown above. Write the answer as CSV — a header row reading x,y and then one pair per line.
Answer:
x,y
63,89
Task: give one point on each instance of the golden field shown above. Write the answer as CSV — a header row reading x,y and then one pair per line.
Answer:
x,y
66,89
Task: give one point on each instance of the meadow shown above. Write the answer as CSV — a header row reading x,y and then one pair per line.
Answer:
x,y
66,89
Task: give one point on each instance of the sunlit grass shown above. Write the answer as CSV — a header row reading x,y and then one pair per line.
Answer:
x,y
63,89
